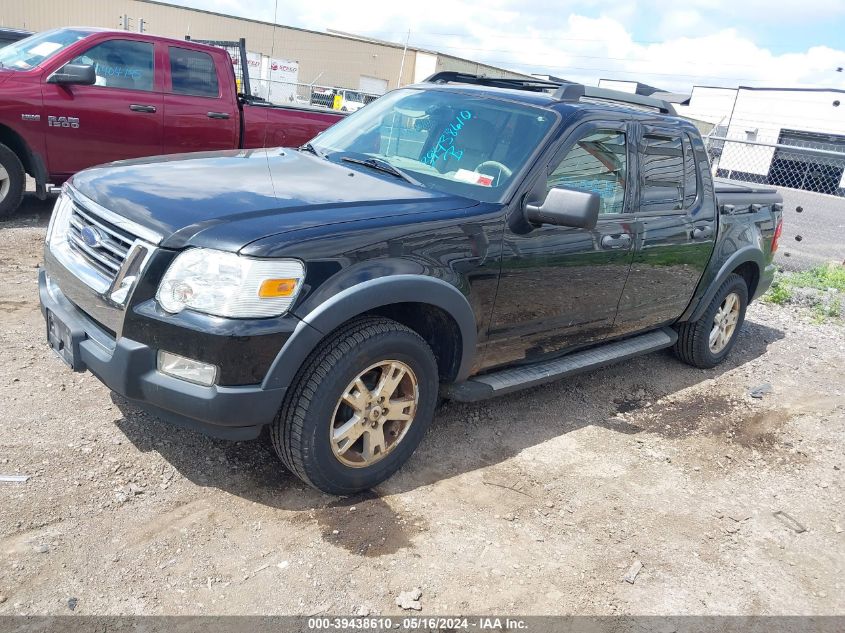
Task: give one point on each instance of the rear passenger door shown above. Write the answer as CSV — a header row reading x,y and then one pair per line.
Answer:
x,y
200,107
675,225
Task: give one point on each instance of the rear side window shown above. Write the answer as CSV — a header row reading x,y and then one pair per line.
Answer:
x,y
662,174
597,163
121,64
193,73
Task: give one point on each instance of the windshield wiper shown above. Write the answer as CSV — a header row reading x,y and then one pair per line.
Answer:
x,y
308,147
383,166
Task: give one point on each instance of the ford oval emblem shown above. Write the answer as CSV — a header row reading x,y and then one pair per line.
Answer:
x,y
92,237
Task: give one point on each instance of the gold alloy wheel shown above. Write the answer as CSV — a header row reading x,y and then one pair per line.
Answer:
x,y
724,323
374,413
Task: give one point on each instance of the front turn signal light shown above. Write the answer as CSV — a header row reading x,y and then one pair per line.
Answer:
x,y
274,288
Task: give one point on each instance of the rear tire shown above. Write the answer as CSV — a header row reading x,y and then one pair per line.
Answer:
x,y
707,342
12,182
343,427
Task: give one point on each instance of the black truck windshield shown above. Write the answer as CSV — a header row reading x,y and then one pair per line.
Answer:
x,y
453,142
32,51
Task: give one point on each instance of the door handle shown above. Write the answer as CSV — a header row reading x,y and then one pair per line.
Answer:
x,y
702,232
620,241
137,107
218,115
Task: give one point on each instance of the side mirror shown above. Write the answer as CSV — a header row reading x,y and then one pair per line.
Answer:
x,y
566,207
74,74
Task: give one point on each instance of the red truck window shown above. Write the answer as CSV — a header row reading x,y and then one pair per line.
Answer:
x,y
121,64
193,73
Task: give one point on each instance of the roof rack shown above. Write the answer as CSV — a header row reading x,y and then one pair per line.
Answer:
x,y
562,91
532,85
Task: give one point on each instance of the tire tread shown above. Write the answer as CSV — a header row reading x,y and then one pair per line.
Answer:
x,y
692,346
17,176
287,430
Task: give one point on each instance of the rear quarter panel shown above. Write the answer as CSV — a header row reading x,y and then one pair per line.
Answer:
x,y
744,236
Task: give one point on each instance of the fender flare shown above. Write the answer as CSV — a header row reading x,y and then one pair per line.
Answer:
x,y
32,159
744,255
367,296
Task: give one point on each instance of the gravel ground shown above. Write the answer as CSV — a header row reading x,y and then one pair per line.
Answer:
x,y
539,503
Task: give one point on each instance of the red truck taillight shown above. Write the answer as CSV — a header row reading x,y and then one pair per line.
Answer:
x,y
776,236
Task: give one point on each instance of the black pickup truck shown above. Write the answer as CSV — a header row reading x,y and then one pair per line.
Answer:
x,y
461,238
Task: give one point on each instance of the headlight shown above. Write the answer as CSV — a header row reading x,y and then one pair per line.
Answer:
x,y
59,217
228,285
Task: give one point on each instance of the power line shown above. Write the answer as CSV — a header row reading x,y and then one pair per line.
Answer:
x,y
502,36
571,54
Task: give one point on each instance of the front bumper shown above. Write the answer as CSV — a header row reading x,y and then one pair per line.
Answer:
x,y
129,368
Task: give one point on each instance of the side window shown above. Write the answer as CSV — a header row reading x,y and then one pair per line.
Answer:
x,y
193,73
121,64
662,174
598,162
690,175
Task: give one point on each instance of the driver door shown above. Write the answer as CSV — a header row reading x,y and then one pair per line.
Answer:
x,y
119,117
559,287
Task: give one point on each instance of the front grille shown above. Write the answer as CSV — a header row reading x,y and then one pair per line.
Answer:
x,y
108,251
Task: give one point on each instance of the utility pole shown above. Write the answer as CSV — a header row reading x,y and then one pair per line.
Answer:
x,y
402,65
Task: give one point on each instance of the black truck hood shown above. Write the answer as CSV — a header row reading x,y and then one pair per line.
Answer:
x,y
228,199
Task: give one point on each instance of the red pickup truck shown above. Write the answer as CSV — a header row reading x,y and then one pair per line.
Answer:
x,y
72,98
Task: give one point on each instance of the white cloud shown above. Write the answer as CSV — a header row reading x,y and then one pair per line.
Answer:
x,y
705,42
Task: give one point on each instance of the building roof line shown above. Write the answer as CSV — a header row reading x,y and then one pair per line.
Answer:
x,y
327,33
332,33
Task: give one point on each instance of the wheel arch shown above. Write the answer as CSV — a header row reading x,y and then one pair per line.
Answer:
x,y
434,308
747,262
32,162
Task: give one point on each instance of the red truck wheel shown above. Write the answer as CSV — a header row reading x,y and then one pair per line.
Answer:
x,y
12,180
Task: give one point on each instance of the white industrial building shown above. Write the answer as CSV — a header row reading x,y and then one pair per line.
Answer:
x,y
791,137
767,124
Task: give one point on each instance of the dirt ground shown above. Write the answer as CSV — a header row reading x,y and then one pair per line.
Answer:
x,y
539,503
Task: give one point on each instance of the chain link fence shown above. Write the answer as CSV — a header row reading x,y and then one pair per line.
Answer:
x,y
260,83
312,95
811,180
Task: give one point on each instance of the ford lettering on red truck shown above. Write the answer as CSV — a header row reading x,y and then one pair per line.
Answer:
x,y
72,98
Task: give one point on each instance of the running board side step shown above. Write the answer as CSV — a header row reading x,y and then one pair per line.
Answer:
x,y
516,378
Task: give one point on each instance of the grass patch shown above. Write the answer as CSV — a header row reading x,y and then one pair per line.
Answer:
x,y
820,278
821,288
779,293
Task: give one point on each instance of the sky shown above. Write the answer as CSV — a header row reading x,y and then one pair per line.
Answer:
x,y
671,45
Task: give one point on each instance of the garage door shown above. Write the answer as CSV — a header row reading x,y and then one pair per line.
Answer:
x,y
804,169
372,85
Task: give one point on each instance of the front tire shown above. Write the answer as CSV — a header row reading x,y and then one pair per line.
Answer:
x,y
12,182
359,407
707,342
